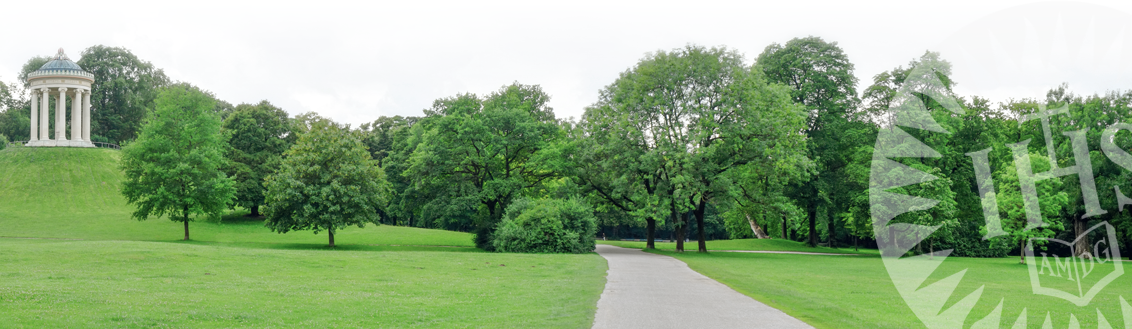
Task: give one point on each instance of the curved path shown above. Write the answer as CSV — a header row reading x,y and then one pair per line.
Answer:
x,y
644,290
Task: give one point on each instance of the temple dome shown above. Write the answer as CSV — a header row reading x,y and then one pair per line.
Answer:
x,y
60,62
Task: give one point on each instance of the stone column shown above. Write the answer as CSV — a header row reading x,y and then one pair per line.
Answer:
x,y
60,118
76,120
34,116
44,122
86,115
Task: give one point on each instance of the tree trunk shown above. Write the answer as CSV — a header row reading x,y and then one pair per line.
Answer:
x,y
185,211
813,225
784,235
893,246
1022,252
699,213
1081,248
832,232
650,233
255,211
680,238
756,229
331,237
678,225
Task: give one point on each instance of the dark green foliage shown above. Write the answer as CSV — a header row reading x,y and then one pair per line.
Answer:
x,y
174,167
383,133
477,155
14,122
3,141
546,226
30,66
684,129
124,86
256,134
822,80
391,140
327,181
14,111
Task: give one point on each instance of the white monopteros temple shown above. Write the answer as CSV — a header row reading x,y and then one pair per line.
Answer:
x,y
59,79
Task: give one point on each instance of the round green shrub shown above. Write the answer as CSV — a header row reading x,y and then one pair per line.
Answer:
x,y
546,226
3,141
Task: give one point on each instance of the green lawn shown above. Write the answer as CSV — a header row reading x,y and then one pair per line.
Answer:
x,y
743,244
73,258
856,292
86,284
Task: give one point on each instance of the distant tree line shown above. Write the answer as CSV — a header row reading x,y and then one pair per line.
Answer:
x,y
692,142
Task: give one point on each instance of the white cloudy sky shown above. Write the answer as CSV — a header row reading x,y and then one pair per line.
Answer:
x,y
356,60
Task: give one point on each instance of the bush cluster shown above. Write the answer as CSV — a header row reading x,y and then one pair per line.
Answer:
x,y
546,226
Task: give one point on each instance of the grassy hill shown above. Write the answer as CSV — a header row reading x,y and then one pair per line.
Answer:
x,y
73,258
72,193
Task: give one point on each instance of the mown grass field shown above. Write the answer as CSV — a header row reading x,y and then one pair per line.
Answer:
x,y
856,292
88,284
73,258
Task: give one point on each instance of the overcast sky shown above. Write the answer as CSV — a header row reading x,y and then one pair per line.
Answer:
x,y
353,61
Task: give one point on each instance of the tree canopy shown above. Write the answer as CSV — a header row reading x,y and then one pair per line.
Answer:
x,y
480,154
256,134
327,181
124,86
175,166
822,80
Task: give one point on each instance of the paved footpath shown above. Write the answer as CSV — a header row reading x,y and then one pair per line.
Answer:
x,y
644,290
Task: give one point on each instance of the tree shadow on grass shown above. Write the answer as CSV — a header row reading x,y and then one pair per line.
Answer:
x,y
319,246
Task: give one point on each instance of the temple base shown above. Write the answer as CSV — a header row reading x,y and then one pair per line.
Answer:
x,y
55,143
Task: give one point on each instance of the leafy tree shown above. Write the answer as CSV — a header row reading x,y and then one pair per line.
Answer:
x,y
1089,116
256,136
675,133
407,198
822,80
30,66
327,181
223,109
175,166
606,156
16,123
750,126
306,122
1012,211
124,86
479,155
387,139
382,134
14,111
943,213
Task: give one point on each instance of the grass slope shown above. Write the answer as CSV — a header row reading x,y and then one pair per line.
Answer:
x,y
237,273
73,193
